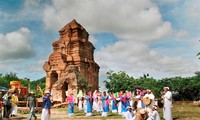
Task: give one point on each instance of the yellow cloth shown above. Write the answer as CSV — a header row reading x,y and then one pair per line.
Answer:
x,y
14,100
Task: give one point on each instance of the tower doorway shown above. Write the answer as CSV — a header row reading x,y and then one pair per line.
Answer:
x,y
53,78
64,89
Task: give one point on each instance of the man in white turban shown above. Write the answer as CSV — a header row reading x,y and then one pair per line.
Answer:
x,y
167,96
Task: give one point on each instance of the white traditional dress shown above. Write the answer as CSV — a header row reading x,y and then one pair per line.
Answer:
x,y
168,105
99,109
95,101
119,106
80,104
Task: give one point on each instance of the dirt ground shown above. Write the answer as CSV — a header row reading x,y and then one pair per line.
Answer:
x,y
180,112
57,114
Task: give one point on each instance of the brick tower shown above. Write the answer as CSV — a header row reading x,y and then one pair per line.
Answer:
x,y
71,53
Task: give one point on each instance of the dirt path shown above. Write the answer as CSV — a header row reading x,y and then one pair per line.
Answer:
x,y
56,115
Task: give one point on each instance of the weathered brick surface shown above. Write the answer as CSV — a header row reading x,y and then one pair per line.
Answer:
x,y
72,52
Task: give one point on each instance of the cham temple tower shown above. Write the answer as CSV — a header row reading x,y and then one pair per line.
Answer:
x,y
72,54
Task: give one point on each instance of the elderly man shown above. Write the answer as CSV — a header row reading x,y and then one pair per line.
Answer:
x,y
7,103
32,103
167,96
130,113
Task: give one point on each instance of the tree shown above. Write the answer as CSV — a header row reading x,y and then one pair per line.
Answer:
x,y
198,55
5,79
40,82
182,88
118,81
83,84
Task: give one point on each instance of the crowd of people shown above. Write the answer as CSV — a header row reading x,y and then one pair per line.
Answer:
x,y
9,102
141,106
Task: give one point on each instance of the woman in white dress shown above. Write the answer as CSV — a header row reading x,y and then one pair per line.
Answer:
x,y
80,104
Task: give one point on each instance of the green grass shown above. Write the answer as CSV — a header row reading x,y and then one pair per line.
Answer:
x,y
95,115
184,112
179,112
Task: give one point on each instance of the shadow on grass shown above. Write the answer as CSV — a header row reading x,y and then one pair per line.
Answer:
x,y
17,118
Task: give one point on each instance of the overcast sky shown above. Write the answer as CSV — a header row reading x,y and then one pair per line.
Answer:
x,y
159,37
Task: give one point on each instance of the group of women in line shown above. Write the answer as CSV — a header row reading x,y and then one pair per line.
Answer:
x,y
116,102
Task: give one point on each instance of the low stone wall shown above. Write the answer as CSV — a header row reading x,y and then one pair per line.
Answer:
x,y
23,103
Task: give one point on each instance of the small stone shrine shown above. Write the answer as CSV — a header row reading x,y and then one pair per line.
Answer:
x,y
72,53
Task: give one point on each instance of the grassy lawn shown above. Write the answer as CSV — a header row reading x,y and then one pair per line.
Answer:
x,y
185,112
95,115
179,112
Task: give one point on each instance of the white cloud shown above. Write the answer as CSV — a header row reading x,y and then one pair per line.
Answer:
x,y
128,19
30,11
135,23
192,12
181,34
31,3
16,45
138,59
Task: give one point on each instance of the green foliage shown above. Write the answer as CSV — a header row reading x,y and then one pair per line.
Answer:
x,y
33,86
24,83
83,84
40,82
182,88
5,79
118,81
198,54
5,82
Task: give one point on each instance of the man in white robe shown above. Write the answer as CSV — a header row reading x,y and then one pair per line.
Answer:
x,y
154,115
130,113
167,96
